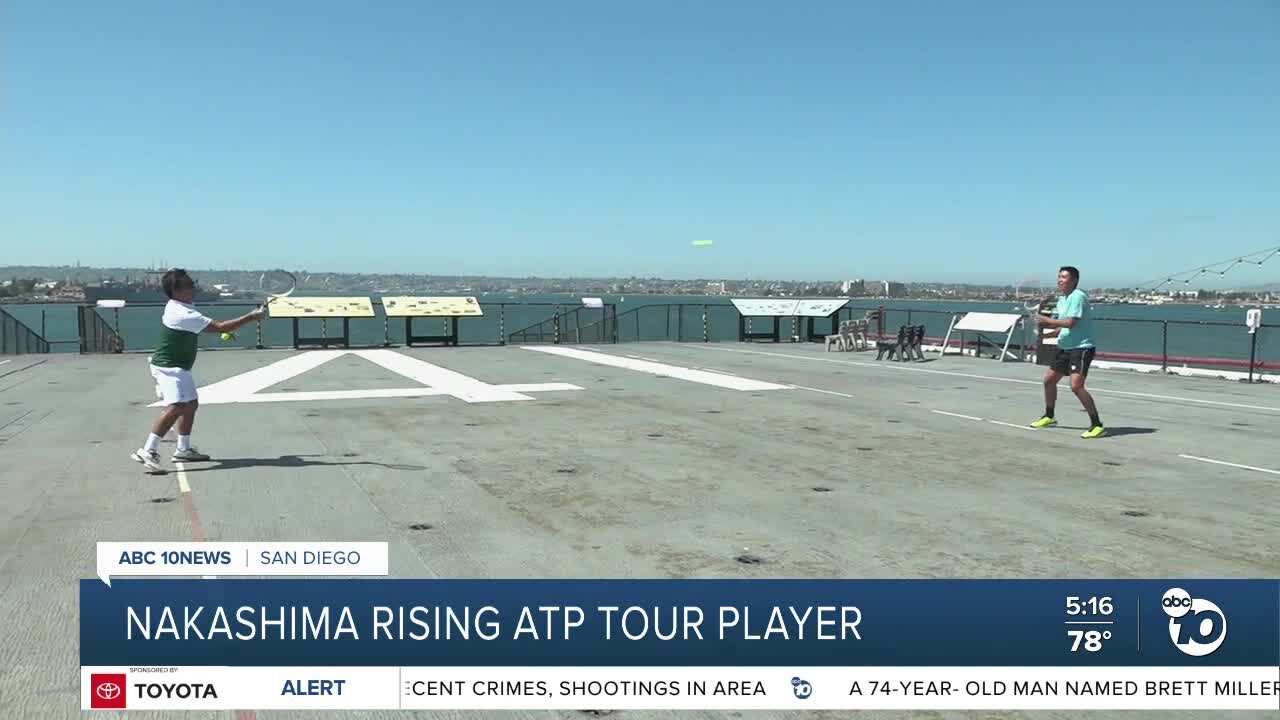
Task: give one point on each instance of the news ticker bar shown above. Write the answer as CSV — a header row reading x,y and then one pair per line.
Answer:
x,y
680,688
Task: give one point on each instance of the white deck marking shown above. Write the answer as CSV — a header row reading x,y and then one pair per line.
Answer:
x,y
714,370
303,396
951,414
5,361
820,390
732,382
183,484
951,373
248,387
540,387
234,388
1012,425
454,383
307,395
1231,464
1218,403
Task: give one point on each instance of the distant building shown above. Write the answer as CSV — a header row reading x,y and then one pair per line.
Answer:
x,y
889,288
716,288
853,287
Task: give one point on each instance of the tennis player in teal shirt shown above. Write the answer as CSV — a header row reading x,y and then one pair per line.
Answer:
x,y
1073,325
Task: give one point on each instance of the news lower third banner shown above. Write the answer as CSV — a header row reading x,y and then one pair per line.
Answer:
x,y
285,643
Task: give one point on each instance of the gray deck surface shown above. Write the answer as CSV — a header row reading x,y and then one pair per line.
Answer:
x,y
634,475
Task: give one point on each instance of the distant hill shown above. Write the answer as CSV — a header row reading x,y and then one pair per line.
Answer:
x,y
1270,287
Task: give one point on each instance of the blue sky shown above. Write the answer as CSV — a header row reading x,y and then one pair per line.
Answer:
x,y
808,139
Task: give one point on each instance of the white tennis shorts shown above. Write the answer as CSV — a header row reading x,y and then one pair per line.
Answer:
x,y
174,385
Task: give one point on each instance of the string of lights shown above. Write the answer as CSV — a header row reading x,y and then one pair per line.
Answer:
x,y
1220,268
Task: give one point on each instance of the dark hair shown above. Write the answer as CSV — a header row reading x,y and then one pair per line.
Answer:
x,y
174,279
1075,274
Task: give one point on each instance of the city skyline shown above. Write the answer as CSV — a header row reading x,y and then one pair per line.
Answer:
x,y
317,278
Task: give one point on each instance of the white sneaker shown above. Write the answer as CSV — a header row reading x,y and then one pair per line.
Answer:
x,y
149,460
189,455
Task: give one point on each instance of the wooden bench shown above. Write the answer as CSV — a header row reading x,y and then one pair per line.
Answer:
x,y
852,335
907,346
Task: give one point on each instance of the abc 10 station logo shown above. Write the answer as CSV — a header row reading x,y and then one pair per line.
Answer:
x,y
1197,626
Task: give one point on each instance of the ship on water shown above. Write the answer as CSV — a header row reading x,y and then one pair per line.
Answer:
x,y
148,290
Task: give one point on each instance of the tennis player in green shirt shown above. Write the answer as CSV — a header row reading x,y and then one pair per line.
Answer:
x,y
171,365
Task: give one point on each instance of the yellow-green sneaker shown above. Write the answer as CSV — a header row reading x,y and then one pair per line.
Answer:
x,y
1045,421
1093,432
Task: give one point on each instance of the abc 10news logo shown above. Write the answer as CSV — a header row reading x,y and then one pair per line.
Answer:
x,y
1197,626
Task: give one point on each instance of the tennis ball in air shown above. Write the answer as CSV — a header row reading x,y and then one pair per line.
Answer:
x,y
228,337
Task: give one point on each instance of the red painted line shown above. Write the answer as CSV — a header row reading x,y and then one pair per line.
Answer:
x,y
197,534
193,517
1223,362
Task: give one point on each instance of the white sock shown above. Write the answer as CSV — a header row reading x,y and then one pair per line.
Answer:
x,y
153,443
184,442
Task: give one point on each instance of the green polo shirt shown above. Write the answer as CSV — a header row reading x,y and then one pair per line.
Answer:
x,y
179,336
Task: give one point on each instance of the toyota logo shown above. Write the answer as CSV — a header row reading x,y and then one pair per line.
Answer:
x,y
108,691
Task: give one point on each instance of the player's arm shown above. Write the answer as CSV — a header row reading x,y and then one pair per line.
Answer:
x,y
1047,325
1067,317
221,326
1059,323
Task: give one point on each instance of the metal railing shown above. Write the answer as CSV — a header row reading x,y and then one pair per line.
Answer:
x,y
1169,343
18,339
1166,343
96,336
1205,344
139,326
576,324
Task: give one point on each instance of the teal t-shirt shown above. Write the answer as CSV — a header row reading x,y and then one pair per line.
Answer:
x,y
1075,305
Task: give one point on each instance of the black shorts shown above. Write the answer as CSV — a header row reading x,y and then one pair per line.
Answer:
x,y
1070,362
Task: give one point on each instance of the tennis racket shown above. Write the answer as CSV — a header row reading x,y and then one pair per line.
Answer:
x,y
275,284
1031,313
1031,323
